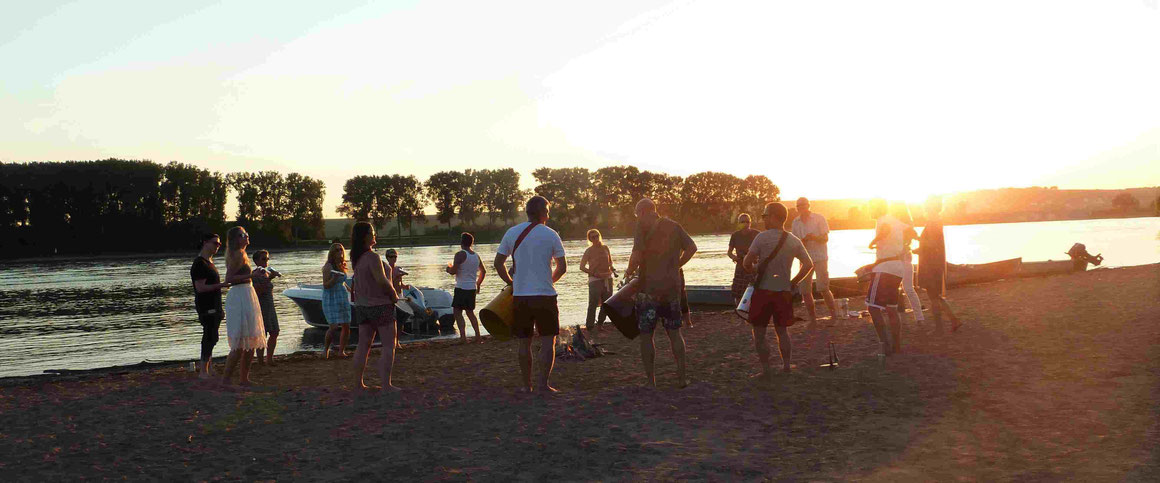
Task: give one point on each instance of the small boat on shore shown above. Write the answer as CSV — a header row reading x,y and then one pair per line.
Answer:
x,y
714,296
423,304
1050,267
709,295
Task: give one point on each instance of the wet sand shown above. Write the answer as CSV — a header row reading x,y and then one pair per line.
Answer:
x,y
1051,378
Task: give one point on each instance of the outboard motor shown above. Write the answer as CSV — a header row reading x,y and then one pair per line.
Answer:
x,y
1080,257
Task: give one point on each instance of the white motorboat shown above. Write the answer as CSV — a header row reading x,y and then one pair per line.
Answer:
x,y
424,310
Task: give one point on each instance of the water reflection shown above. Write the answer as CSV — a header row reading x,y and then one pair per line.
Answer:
x,y
84,314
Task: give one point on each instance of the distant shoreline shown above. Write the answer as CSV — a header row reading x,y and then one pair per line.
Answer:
x,y
387,243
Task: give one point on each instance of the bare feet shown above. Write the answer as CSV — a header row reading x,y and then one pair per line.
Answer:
x,y
955,324
389,389
527,389
548,389
478,339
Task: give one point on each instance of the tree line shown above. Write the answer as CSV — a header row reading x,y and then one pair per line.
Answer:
x,y
125,205
580,198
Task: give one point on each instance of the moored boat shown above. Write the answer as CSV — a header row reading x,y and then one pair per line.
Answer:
x,y
709,296
1050,267
421,303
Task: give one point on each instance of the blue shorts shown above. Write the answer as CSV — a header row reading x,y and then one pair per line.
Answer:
x,y
652,310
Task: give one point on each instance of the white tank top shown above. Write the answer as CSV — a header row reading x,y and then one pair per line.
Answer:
x,y
468,271
891,246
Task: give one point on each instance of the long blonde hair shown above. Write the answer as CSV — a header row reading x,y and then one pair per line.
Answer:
x,y
337,250
232,250
594,233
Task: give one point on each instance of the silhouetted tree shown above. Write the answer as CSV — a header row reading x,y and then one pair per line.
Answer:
x,y
471,197
755,192
1125,202
304,206
445,190
708,198
570,192
409,207
360,200
616,189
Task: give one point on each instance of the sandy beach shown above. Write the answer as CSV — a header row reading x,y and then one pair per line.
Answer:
x,y
1049,379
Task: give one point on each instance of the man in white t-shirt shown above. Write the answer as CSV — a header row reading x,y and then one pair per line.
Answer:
x,y
535,246
886,276
814,232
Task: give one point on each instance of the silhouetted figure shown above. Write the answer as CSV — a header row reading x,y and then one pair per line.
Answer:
x,y
207,293
770,258
886,277
597,263
659,250
374,297
813,230
264,286
932,263
739,243
469,273
533,247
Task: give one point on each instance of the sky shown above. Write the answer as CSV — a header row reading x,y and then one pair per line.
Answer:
x,y
834,99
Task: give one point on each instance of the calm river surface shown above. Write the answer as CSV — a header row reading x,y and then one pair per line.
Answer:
x,y
88,314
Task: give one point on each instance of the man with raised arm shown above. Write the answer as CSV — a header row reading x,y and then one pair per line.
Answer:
x,y
813,230
771,258
659,250
533,246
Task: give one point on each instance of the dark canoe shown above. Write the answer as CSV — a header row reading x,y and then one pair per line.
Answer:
x,y
1050,267
709,296
957,275
717,296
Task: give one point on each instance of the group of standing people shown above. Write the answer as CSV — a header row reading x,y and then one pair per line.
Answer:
x,y
764,261
248,311
661,247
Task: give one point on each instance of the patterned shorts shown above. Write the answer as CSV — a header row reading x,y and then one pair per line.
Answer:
x,y
652,310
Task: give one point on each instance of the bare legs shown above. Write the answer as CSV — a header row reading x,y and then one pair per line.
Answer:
x,y
474,325
366,337
648,356
783,344
808,301
236,356
459,319
939,306
343,339
271,343
891,337
547,362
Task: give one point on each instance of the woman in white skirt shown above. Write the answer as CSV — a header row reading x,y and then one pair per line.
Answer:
x,y
900,211
244,328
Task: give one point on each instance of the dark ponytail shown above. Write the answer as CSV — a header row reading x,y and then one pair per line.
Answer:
x,y
358,242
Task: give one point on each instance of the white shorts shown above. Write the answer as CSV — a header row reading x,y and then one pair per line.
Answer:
x,y
822,270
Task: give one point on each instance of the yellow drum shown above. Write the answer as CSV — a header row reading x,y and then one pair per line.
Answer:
x,y
497,316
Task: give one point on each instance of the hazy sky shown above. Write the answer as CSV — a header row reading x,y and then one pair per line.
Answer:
x,y
829,99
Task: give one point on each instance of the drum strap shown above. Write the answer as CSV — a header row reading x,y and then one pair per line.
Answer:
x,y
516,246
765,263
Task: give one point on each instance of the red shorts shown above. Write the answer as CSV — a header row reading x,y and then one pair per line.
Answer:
x,y
767,305
883,290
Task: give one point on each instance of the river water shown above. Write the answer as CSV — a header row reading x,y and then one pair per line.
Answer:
x,y
98,313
